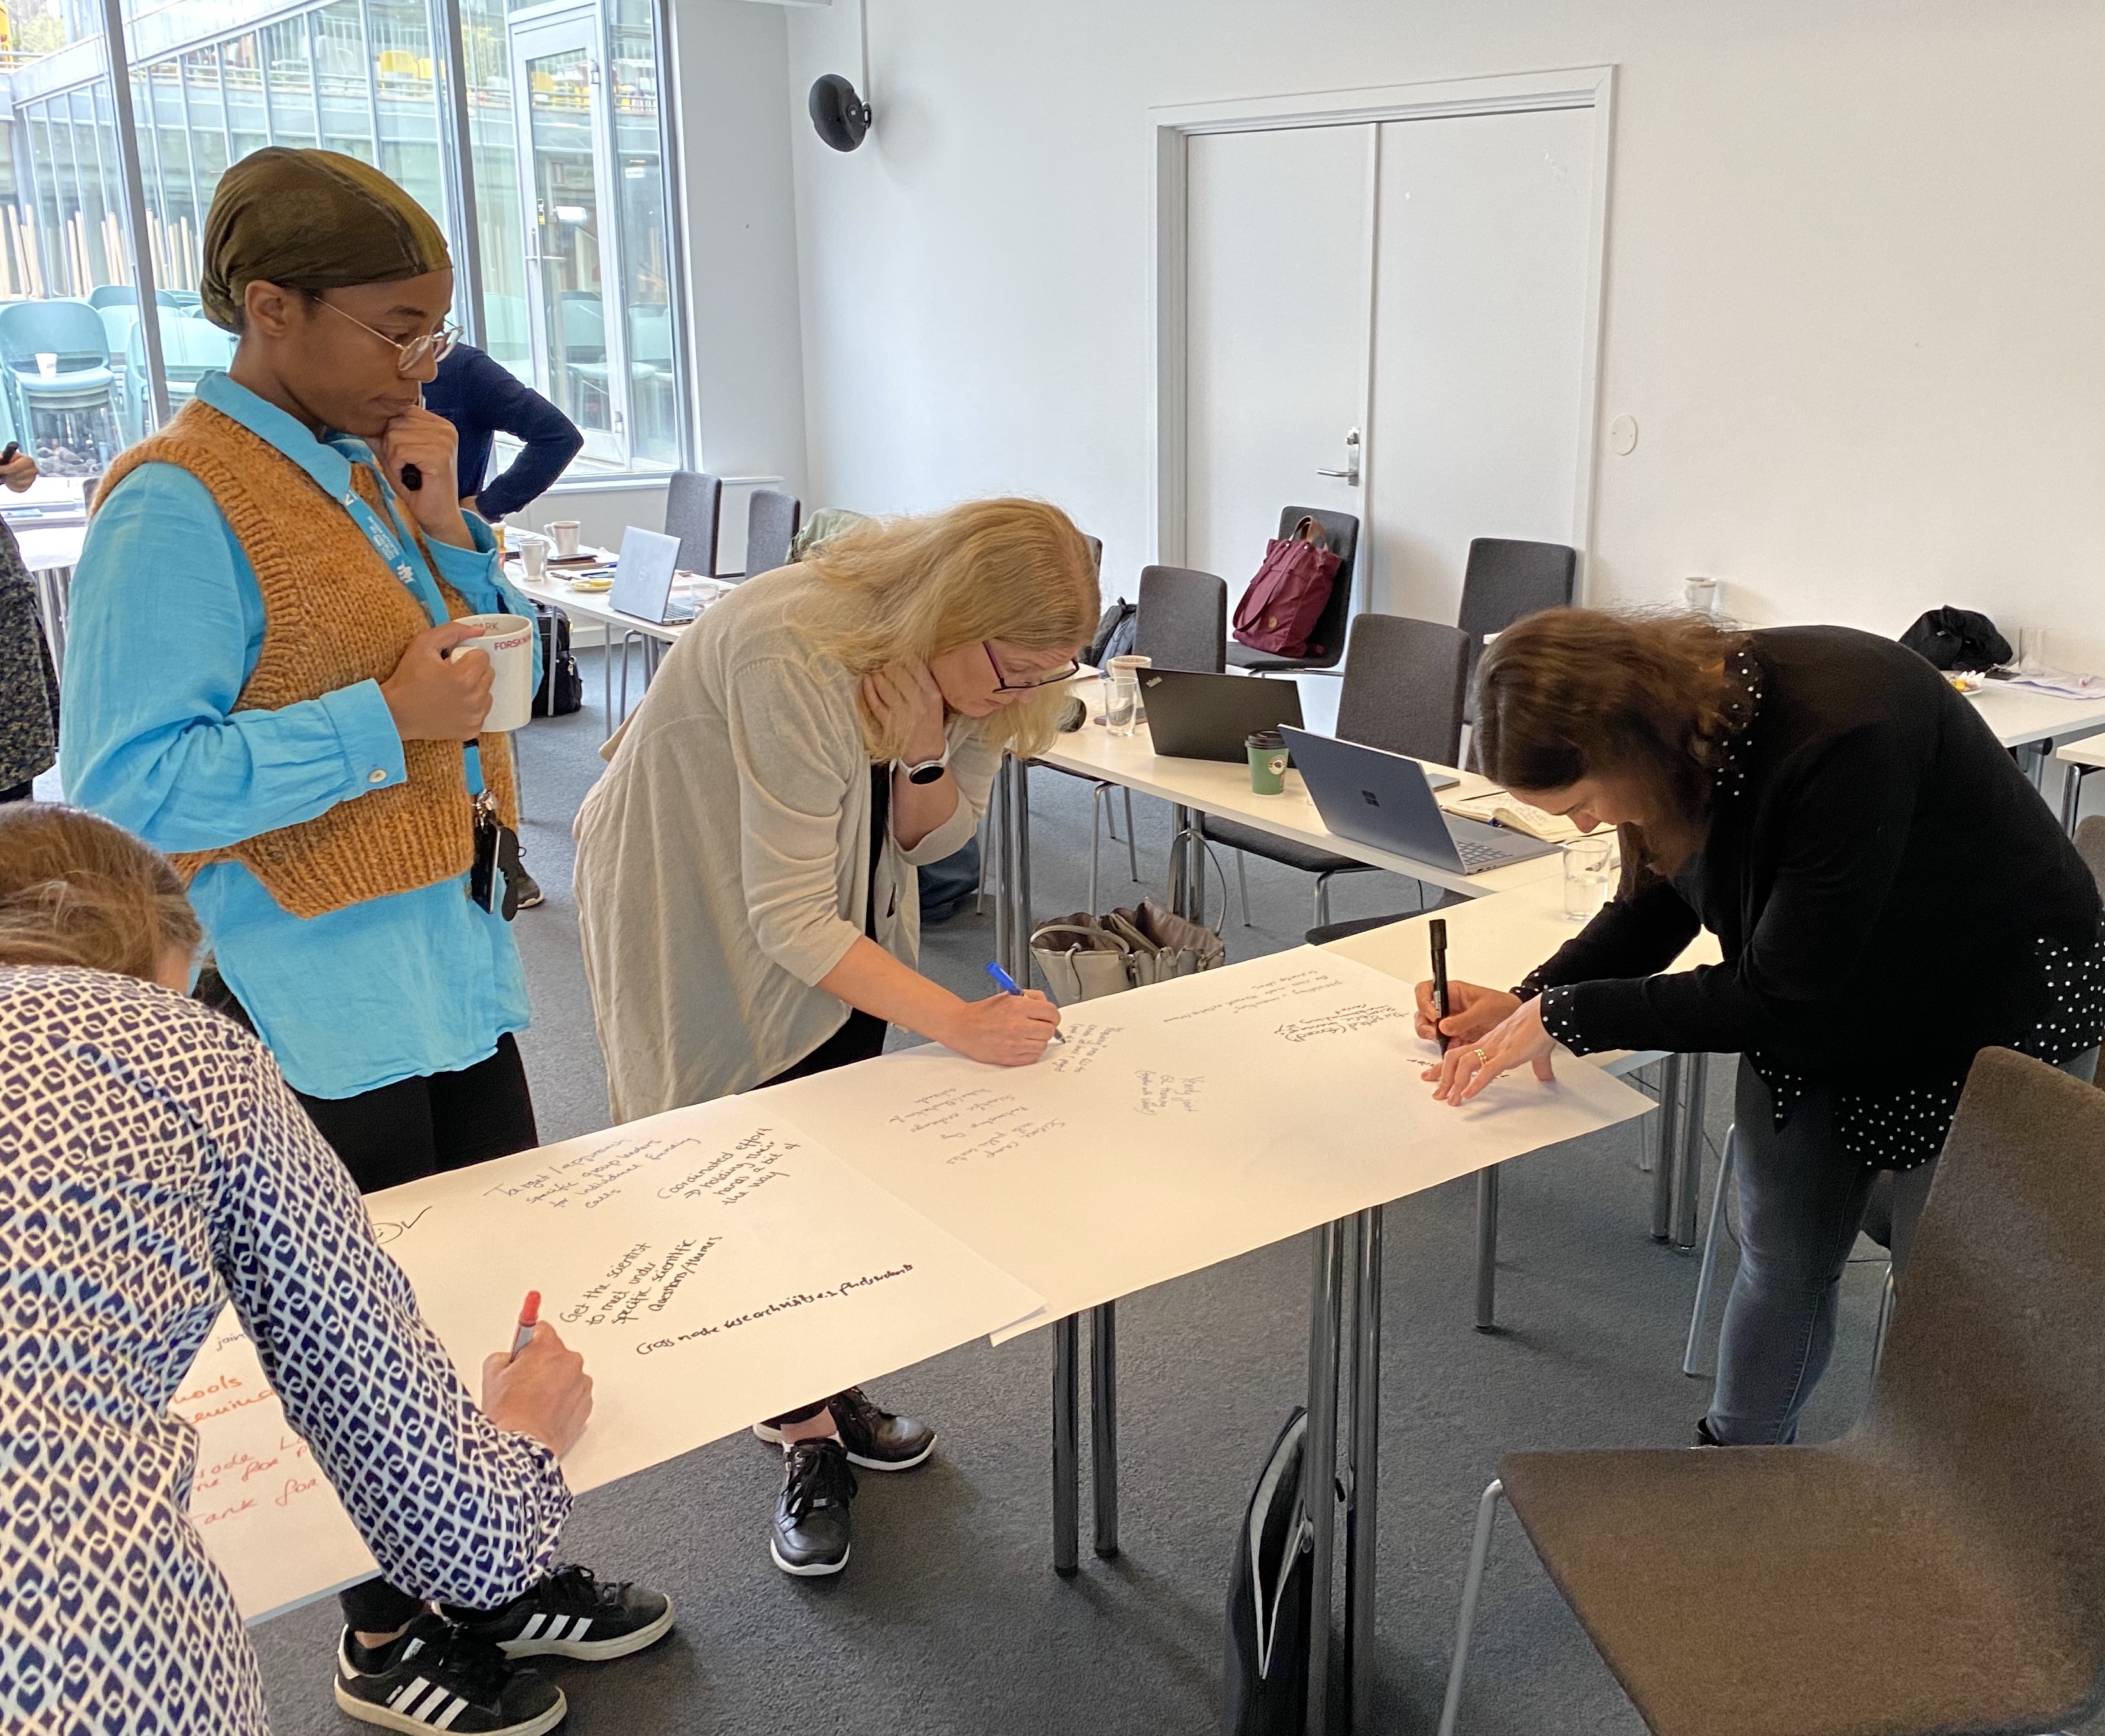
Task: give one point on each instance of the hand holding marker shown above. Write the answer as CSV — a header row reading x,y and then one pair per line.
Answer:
x,y
529,1317
1007,984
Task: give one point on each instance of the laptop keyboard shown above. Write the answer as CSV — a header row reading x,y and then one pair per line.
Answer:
x,y
1477,856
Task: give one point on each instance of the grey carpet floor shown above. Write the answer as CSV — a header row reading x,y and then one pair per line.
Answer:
x,y
948,1618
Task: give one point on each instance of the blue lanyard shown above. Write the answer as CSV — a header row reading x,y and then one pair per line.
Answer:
x,y
399,549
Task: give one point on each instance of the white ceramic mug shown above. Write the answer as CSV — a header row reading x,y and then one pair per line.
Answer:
x,y
534,555
565,531
507,641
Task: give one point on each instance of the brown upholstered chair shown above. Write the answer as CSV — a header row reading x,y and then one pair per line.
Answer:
x,y
1941,1566
2090,846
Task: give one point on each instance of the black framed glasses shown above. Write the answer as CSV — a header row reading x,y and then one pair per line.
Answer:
x,y
1002,683
433,346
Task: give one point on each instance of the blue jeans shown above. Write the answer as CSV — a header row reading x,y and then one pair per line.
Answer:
x,y
1801,1203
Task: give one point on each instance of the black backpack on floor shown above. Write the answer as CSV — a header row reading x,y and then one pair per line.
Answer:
x,y
562,689
1265,1673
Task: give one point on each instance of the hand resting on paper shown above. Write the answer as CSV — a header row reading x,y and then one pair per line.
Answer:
x,y
1467,1067
543,1391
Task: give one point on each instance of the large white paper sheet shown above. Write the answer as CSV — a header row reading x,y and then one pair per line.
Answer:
x,y
1185,1124
715,1265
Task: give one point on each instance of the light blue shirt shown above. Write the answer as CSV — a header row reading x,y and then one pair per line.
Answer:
x,y
165,626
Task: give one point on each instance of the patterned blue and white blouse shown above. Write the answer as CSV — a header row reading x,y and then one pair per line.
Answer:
x,y
153,1165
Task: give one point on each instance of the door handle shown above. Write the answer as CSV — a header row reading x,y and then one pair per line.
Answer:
x,y
1350,475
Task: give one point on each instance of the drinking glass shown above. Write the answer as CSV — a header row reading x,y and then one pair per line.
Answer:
x,y
1589,866
2034,650
1121,700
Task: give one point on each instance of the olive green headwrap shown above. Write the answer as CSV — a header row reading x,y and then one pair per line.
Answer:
x,y
311,220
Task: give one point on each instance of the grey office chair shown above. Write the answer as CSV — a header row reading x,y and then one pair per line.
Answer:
x,y
771,519
1183,620
694,509
1403,689
1505,580
1326,645
1941,1568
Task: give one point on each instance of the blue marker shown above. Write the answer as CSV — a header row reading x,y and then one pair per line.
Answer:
x,y
1007,984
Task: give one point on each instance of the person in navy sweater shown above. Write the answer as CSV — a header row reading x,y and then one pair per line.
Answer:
x,y
482,398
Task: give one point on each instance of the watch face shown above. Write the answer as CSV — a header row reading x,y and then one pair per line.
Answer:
x,y
926,774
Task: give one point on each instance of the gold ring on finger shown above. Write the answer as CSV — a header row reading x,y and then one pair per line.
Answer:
x,y
1482,1058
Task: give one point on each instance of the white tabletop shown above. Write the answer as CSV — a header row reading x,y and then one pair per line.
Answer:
x,y
588,605
2090,751
2020,716
1221,788
1495,942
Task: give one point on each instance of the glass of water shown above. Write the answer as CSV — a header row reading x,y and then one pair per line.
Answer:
x,y
1588,869
1121,702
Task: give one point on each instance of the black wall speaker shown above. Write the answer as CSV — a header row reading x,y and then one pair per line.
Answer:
x,y
841,117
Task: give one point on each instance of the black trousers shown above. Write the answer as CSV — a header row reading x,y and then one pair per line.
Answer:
x,y
860,1039
19,791
399,1132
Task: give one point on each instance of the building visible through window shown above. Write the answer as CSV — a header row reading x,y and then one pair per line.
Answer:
x,y
568,180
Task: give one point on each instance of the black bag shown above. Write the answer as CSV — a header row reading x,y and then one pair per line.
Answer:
x,y
1115,633
1264,1679
1957,639
562,689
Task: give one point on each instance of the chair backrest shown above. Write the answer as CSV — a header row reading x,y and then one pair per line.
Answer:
x,y
1183,619
650,336
1403,687
112,295
70,330
770,527
1505,580
119,321
694,507
1992,1389
1342,530
2090,846
190,348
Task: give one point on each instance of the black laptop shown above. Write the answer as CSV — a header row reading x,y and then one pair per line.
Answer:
x,y
1193,716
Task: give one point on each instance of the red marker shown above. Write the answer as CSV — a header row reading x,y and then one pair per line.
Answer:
x,y
529,1317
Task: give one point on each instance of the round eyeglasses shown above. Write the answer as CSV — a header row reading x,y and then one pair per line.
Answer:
x,y
433,346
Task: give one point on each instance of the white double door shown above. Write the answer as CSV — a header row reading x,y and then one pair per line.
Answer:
x,y
1404,301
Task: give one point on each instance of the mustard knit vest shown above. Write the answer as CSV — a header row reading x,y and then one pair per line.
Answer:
x,y
334,614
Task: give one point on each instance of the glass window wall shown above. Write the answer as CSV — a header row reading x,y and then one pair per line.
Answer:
x,y
567,165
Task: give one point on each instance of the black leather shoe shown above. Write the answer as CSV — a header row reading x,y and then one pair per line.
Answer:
x,y
875,1438
812,1515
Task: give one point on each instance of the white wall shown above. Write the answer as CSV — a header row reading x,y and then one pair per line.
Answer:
x,y
1856,260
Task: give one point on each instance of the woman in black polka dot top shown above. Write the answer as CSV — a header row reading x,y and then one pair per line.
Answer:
x,y
1889,895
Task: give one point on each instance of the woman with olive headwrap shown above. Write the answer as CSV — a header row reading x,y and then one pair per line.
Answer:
x,y
256,683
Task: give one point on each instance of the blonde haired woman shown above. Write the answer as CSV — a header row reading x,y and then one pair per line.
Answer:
x,y
745,881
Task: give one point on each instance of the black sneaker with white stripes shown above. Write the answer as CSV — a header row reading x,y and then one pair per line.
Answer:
x,y
572,1614
434,1677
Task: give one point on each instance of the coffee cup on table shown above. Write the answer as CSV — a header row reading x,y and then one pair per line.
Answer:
x,y
507,641
565,531
534,555
1268,762
48,364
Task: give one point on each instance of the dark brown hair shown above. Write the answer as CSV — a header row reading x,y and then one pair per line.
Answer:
x,y
75,889
1575,693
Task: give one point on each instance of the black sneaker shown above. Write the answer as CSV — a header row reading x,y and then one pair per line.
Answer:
x,y
812,1518
875,1438
434,1677
530,891
572,1614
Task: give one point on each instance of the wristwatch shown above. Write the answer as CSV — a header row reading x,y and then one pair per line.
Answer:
x,y
924,771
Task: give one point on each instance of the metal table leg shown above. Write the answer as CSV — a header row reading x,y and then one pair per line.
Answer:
x,y
1066,1467
1320,1464
1487,1248
1019,807
1669,1147
1181,822
1103,1424
1362,1515
1688,1169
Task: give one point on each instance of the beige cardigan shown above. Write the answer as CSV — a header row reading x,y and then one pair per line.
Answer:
x,y
723,858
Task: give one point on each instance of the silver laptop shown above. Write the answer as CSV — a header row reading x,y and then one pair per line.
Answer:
x,y
643,578
1386,800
